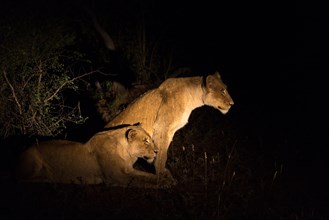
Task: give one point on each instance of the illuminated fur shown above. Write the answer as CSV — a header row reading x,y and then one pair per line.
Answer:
x,y
108,157
164,110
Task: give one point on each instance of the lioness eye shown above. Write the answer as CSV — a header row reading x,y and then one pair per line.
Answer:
x,y
146,141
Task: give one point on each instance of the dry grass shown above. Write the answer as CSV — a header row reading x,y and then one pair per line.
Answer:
x,y
222,173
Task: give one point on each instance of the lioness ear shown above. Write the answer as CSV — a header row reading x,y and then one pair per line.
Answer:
x,y
211,79
131,134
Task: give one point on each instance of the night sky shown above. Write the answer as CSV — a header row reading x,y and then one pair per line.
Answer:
x,y
272,55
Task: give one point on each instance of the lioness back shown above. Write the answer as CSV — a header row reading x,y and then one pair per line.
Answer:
x,y
164,110
59,161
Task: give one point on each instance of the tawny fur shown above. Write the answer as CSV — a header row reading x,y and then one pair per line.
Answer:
x,y
108,157
164,110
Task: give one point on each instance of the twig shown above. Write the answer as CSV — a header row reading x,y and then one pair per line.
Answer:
x,y
39,84
69,81
206,180
108,41
13,93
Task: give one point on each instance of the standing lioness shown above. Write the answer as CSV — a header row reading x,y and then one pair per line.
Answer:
x,y
164,110
108,157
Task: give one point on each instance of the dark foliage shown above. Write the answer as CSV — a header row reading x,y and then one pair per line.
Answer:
x,y
266,159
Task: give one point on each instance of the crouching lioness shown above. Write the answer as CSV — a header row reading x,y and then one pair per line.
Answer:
x,y
108,157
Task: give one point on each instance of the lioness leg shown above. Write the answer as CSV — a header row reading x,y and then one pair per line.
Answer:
x,y
141,178
147,180
163,142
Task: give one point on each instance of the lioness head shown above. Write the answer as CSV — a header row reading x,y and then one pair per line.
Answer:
x,y
141,144
216,94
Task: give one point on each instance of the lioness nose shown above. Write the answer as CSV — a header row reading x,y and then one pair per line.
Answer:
x,y
231,102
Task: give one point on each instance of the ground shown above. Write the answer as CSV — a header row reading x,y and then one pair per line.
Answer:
x,y
225,170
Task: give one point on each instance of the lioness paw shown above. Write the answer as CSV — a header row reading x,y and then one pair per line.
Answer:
x,y
167,180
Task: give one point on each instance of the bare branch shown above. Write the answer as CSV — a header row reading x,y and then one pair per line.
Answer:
x,y
13,93
27,81
39,83
65,83
109,43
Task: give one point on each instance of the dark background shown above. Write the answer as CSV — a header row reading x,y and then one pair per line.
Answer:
x,y
272,55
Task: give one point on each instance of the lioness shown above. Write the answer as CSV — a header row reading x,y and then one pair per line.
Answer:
x,y
164,110
108,157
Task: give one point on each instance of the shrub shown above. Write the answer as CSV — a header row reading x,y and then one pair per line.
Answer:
x,y
35,72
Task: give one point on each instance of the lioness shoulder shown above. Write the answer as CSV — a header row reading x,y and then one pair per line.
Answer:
x,y
166,109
